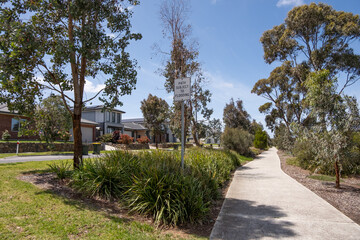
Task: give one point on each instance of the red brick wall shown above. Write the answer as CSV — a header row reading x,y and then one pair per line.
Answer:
x,y
5,124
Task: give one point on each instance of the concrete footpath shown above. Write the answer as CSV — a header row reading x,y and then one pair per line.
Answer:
x,y
265,203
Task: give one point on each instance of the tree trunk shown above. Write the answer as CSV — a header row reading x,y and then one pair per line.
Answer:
x,y
156,141
77,139
194,131
337,172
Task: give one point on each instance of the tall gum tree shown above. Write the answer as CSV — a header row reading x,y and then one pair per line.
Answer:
x,y
182,62
313,37
63,43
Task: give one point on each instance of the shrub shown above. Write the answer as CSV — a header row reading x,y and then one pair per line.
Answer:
x,y
115,136
238,140
125,139
106,177
6,135
62,169
261,139
106,138
143,140
153,183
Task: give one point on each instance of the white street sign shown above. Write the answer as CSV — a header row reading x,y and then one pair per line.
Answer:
x,y
182,89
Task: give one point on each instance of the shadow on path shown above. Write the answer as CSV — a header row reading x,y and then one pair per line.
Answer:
x,y
247,220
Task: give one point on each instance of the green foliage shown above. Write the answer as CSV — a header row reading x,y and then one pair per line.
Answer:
x,y
323,178
62,169
214,129
5,135
261,140
105,138
50,121
313,37
238,140
155,111
182,61
153,183
235,116
303,151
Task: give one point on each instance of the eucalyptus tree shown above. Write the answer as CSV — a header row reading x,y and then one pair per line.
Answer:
x,y
182,62
56,45
336,119
313,37
156,113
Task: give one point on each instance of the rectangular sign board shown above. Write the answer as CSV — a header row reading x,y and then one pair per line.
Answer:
x,y
182,89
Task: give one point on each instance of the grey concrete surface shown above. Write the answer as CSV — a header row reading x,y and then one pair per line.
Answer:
x,y
15,159
264,203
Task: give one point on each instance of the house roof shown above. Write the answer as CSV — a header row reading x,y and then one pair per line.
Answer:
x,y
85,121
135,120
100,107
134,126
5,109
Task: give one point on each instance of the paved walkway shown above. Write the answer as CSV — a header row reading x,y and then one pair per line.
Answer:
x,y
265,203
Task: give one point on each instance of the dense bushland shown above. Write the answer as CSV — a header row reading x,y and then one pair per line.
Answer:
x,y
153,183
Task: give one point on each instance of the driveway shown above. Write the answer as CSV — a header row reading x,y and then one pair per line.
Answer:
x,y
265,203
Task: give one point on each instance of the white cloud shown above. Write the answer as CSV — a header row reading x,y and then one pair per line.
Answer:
x,y
282,3
91,88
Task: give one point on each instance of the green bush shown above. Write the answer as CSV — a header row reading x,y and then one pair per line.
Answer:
x,y
261,140
153,183
6,135
305,155
62,169
106,138
238,140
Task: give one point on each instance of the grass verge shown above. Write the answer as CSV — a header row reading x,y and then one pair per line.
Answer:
x,y
321,177
28,212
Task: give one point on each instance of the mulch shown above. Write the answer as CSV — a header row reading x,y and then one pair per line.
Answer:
x,y
346,199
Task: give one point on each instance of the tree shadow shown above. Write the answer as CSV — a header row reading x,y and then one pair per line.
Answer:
x,y
241,219
55,187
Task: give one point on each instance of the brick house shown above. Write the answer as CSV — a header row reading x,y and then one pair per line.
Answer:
x,y
11,121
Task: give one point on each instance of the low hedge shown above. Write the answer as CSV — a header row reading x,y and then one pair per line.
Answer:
x,y
154,184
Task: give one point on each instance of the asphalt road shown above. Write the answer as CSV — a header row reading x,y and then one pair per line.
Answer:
x,y
15,159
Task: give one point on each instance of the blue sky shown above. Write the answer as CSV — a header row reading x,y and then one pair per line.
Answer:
x,y
228,32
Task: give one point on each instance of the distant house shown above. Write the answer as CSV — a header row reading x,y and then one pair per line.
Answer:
x,y
135,130
88,131
108,121
11,121
132,129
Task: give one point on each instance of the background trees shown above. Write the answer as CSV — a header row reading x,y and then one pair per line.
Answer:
x,y
50,121
156,112
307,106
182,62
313,37
56,45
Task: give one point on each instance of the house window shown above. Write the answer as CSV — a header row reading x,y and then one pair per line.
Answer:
x,y
108,116
118,118
113,117
15,124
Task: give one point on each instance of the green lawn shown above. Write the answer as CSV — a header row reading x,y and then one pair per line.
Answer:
x,y
28,212
323,178
4,155
31,141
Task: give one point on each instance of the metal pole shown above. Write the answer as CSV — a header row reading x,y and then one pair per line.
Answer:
x,y
182,135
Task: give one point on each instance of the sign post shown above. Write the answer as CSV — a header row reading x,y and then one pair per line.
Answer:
x,y
17,147
182,92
